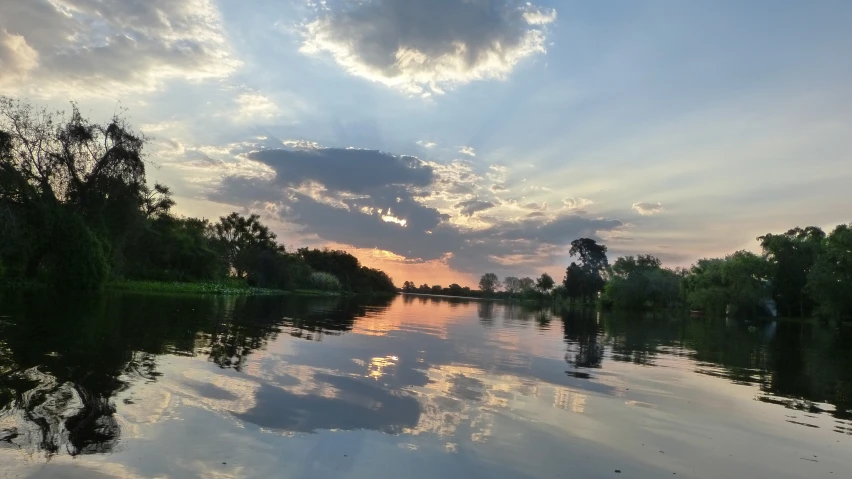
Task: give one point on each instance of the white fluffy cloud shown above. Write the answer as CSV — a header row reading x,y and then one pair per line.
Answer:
x,y
92,46
253,106
467,150
577,203
647,209
422,47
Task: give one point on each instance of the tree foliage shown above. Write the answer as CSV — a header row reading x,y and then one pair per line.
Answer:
x,y
489,282
830,278
75,209
641,282
586,280
544,283
739,280
792,255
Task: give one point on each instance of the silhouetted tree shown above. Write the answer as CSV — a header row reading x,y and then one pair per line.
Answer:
x,y
241,239
792,256
587,279
511,285
544,283
488,282
830,278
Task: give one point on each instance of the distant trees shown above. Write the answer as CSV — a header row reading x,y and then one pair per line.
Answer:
x,y
641,282
488,282
346,268
803,270
739,280
511,285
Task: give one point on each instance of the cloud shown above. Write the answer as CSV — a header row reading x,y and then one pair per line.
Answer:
x,y
647,209
349,170
467,150
17,57
427,144
253,106
89,46
417,46
470,207
497,173
535,206
576,203
371,199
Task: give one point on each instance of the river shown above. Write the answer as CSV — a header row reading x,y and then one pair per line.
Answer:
x,y
156,386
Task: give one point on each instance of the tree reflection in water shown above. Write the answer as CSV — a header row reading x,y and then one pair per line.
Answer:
x,y
63,359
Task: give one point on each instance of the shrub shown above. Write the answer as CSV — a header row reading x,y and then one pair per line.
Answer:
x,y
324,281
77,261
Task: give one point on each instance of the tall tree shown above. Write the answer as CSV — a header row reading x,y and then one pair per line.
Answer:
x,y
544,283
54,167
241,238
488,282
511,284
587,279
592,255
792,256
830,279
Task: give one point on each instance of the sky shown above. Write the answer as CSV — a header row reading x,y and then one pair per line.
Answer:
x,y
442,139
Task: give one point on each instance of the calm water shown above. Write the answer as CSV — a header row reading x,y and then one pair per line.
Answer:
x,y
159,386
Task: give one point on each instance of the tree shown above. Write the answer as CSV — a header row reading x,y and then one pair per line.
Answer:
x,y
240,238
511,285
527,284
739,280
627,265
58,170
592,255
587,279
792,256
544,283
488,282
157,201
640,282
830,278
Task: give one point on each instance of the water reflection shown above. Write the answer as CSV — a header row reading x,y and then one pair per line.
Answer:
x,y
81,376
63,359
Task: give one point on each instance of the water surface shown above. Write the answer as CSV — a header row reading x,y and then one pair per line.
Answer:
x,y
149,386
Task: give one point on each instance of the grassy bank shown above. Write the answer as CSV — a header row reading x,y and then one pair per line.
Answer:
x,y
223,288
218,288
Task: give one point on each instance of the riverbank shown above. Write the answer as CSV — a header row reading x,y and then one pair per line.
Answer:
x,y
226,288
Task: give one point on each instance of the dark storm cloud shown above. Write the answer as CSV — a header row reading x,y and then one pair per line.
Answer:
x,y
351,170
416,44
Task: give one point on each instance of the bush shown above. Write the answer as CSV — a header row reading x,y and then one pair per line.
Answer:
x,y
324,281
78,261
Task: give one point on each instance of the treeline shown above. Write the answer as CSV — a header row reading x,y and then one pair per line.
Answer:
x,y
76,211
802,272
490,287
